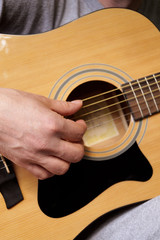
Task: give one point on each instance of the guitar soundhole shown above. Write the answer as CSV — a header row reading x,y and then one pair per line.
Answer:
x,y
104,110
107,117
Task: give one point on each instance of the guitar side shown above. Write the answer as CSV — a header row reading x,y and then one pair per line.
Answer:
x,y
117,37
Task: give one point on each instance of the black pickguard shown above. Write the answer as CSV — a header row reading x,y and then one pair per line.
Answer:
x,y
63,195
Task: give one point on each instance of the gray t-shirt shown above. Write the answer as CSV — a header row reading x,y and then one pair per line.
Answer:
x,y
30,17
36,16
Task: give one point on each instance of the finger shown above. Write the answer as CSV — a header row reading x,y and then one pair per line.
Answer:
x,y
39,172
70,152
73,131
55,165
66,108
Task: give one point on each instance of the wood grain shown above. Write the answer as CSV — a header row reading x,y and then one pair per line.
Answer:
x,y
118,37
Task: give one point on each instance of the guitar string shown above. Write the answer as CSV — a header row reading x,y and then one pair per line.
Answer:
x,y
117,96
106,114
114,90
3,167
4,163
104,122
6,166
114,104
121,94
111,120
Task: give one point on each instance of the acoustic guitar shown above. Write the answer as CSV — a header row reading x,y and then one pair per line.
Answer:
x,y
111,60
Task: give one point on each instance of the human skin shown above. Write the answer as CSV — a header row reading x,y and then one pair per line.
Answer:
x,y
33,131
35,135
132,4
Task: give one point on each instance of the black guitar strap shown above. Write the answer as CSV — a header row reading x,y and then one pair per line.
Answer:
x,y
9,186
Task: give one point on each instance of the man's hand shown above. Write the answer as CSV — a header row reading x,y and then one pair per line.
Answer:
x,y
35,135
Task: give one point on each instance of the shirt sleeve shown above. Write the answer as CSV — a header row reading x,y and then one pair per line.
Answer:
x,y
26,16
37,16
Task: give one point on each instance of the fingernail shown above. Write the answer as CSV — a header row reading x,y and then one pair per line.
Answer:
x,y
77,102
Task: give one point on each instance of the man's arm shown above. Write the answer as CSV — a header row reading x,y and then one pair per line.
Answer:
x,y
35,135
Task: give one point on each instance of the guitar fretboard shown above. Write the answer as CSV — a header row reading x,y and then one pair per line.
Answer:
x,y
143,96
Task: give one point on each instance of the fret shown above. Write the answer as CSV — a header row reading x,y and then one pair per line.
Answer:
x,y
155,88
133,101
136,99
152,94
149,88
141,99
143,96
155,78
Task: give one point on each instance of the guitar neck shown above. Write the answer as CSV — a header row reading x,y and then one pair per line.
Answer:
x,y
143,96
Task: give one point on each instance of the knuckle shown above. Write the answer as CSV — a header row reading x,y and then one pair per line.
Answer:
x,y
41,144
78,157
44,175
82,124
63,169
20,162
40,176
35,143
81,135
54,124
66,106
38,173
81,132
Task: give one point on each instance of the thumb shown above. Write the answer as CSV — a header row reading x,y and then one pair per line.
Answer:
x,y
66,108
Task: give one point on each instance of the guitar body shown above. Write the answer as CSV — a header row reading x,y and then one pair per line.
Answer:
x,y
113,46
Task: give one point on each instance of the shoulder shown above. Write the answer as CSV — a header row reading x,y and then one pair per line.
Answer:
x,y
25,16
30,17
